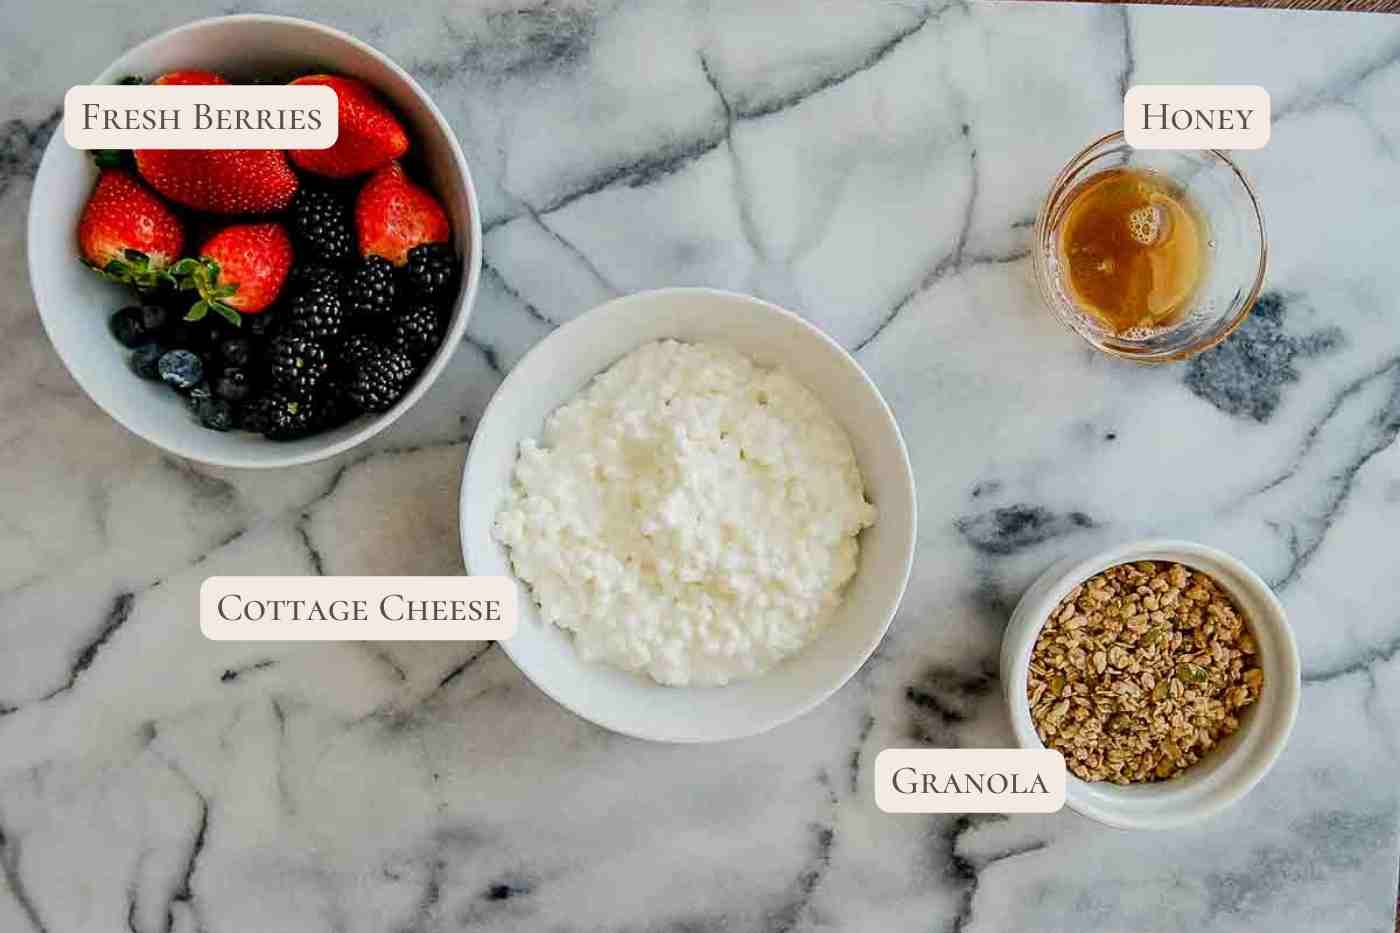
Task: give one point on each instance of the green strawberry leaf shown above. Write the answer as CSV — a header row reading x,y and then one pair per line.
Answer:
x,y
134,270
202,275
110,158
229,314
132,79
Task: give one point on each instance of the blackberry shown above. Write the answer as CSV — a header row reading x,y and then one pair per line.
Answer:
x,y
356,348
369,291
233,385
414,332
296,364
431,271
288,416
379,380
334,405
145,361
314,275
215,414
315,314
180,369
321,225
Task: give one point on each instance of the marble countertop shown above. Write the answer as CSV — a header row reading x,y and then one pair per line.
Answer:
x,y
876,166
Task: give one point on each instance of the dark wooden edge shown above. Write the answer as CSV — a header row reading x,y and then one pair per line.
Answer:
x,y
1347,6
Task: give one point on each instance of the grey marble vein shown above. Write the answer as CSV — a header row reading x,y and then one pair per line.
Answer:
x,y
22,143
1008,529
1247,374
116,617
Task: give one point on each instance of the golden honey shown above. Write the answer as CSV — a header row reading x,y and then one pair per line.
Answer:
x,y
1131,249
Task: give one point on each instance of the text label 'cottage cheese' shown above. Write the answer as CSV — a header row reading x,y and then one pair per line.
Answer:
x,y
690,514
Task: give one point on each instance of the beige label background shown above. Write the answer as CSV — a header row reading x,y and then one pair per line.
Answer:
x,y
372,590
304,97
1023,762
1194,97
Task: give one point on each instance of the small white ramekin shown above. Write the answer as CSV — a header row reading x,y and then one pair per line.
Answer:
x,y
1237,763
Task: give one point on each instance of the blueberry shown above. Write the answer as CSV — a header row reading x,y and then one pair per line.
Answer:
x,y
127,326
154,318
199,336
236,351
199,393
233,385
144,359
215,414
181,369
184,335
174,300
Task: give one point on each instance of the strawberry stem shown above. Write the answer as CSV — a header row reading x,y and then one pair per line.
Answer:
x,y
111,158
134,269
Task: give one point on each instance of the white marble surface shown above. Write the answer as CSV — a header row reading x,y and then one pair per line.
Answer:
x,y
874,165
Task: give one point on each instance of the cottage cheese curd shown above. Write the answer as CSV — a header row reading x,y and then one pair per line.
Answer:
x,y
690,514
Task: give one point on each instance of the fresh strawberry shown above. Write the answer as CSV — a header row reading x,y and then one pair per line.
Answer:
x,y
221,181
190,76
240,268
127,233
370,136
229,181
393,215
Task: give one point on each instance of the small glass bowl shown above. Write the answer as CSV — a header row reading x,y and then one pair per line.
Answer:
x,y
1234,268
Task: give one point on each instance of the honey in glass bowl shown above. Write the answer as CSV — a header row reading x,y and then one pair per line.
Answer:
x,y
1132,249
1195,295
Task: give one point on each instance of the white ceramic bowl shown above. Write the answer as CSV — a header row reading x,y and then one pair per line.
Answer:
x,y
1237,763
74,303
555,370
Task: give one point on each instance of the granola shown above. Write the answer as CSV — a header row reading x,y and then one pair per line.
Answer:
x,y
1140,671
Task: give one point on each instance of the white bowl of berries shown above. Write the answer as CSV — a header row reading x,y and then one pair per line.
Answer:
x,y
261,308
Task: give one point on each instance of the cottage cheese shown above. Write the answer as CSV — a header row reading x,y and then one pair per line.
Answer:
x,y
690,514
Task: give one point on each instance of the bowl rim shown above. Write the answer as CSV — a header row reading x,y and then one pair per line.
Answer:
x,y
1073,323
271,456
1031,612
756,726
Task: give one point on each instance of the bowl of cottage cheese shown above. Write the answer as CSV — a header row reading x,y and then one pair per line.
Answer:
x,y
707,505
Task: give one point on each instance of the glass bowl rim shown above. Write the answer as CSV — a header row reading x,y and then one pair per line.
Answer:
x,y
1042,274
